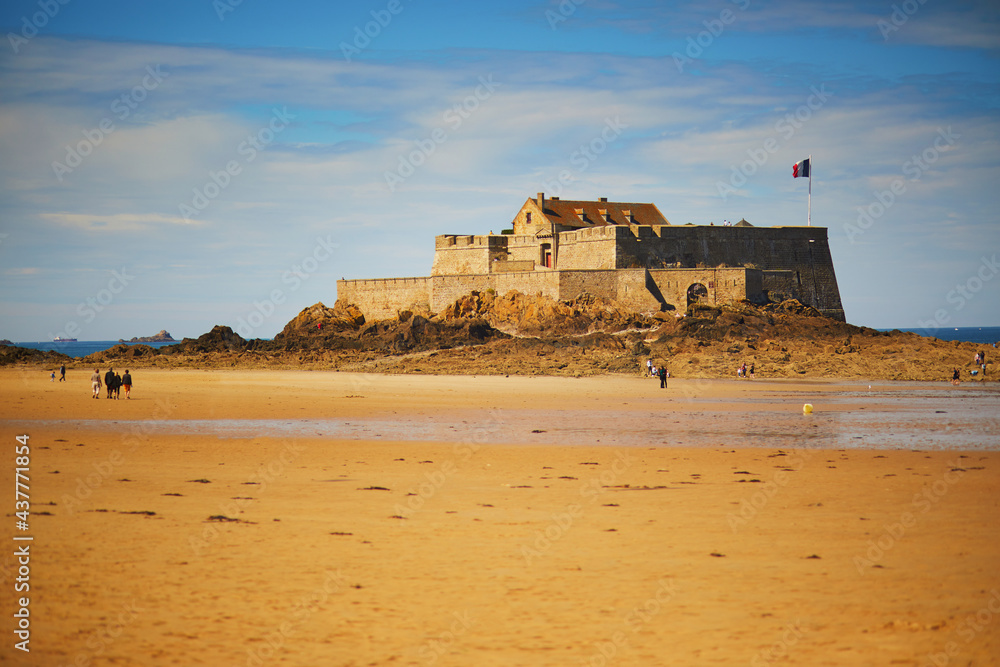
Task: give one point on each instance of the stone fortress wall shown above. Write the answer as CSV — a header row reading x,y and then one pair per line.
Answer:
x,y
646,268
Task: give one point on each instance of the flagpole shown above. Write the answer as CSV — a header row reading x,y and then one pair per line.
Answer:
x,y
809,210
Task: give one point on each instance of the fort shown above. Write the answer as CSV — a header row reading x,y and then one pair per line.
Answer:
x,y
623,251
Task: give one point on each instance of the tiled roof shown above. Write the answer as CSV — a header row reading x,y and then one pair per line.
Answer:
x,y
582,214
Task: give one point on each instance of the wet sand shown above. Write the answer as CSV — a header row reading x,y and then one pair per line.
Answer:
x,y
492,529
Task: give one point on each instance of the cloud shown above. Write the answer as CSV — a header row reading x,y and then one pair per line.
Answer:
x,y
121,222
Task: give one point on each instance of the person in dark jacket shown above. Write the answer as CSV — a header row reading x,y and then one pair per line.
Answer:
x,y
663,377
109,381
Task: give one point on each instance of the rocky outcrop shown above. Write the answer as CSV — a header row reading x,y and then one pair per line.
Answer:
x,y
12,355
161,337
315,319
120,353
519,314
344,328
219,339
485,333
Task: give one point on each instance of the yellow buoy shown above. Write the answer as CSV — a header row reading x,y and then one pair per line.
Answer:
x,y
807,409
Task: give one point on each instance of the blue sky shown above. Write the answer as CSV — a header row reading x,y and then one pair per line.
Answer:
x,y
185,164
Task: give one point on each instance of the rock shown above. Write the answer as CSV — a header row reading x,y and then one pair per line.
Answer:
x,y
219,339
318,319
11,354
161,337
518,314
120,352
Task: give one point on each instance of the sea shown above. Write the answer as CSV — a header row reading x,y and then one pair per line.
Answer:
x,y
982,335
82,348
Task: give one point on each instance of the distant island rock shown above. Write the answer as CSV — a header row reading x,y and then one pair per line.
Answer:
x,y
162,337
5,342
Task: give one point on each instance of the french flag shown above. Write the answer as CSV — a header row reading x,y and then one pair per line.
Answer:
x,y
800,169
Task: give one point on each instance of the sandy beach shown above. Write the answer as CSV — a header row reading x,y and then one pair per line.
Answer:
x,y
321,518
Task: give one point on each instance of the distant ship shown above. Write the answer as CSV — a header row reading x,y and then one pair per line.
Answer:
x,y
60,339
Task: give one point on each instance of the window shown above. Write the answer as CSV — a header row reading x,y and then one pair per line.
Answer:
x,y
527,218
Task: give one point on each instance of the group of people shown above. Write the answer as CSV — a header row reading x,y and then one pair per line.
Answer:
x,y
112,382
744,372
980,361
660,372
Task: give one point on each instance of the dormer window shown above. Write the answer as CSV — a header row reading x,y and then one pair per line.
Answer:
x,y
628,216
605,216
579,212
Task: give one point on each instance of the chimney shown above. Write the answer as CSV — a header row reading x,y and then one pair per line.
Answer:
x,y
604,199
541,200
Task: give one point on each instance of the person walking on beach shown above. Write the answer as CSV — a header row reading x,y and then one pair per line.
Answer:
x,y
109,381
752,364
954,378
62,373
663,377
649,367
982,362
118,386
95,382
127,383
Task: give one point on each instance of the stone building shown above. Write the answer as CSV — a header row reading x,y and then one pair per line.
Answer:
x,y
624,251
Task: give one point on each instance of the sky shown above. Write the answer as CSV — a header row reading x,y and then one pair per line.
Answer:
x,y
200,162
